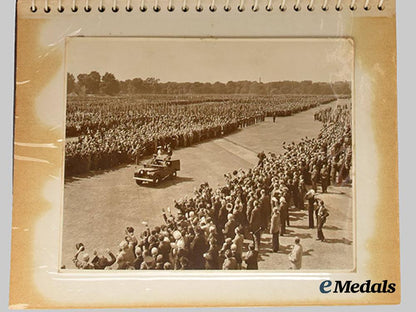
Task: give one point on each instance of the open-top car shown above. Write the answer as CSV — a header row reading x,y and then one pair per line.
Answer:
x,y
157,170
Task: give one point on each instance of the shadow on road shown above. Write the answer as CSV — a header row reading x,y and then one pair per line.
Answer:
x,y
332,227
296,215
169,182
304,227
338,241
307,252
91,174
300,235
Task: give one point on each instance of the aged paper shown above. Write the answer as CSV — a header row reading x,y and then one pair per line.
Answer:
x,y
344,46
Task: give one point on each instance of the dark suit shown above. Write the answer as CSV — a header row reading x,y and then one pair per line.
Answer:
x,y
256,221
251,260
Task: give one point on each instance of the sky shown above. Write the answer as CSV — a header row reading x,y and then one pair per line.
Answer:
x,y
211,60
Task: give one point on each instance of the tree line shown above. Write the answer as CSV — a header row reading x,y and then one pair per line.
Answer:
x,y
108,84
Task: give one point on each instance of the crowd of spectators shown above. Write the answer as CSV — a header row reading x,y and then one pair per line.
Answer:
x,y
104,132
210,230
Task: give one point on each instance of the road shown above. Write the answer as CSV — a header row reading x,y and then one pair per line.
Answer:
x,y
98,207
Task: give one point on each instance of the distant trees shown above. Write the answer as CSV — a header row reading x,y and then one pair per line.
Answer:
x,y
90,81
108,84
70,83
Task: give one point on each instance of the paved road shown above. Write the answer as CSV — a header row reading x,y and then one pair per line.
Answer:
x,y
97,208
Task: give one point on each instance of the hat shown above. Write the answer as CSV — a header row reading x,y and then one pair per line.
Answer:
x,y
85,257
138,251
177,235
123,244
181,244
148,259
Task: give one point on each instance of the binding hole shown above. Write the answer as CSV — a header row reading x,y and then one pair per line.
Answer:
x,y
310,8
199,8
269,8
47,9
254,8
33,9
296,8
87,9
185,8
171,8
227,9
240,8
367,7
282,8
61,9
353,7
380,7
74,9
338,8
212,8
325,8
102,9
129,9
115,9
156,9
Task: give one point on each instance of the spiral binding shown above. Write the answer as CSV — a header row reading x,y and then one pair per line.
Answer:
x,y
156,7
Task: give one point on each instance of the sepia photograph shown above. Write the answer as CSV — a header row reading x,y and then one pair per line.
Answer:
x,y
208,154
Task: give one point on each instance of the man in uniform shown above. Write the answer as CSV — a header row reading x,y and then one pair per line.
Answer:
x,y
322,214
310,197
275,229
255,225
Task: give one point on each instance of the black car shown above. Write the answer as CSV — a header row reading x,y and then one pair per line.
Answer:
x,y
157,171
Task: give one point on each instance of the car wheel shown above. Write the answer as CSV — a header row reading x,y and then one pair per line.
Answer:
x,y
138,182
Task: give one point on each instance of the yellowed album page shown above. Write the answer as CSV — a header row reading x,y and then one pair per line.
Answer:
x,y
189,153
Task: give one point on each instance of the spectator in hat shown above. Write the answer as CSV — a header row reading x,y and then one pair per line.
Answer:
x,y
84,262
101,262
310,197
238,241
198,248
256,222
284,215
251,258
212,256
125,256
130,237
322,214
230,226
230,263
275,229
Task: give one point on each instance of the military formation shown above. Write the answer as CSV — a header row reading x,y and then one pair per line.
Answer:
x,y
104,132
210,230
